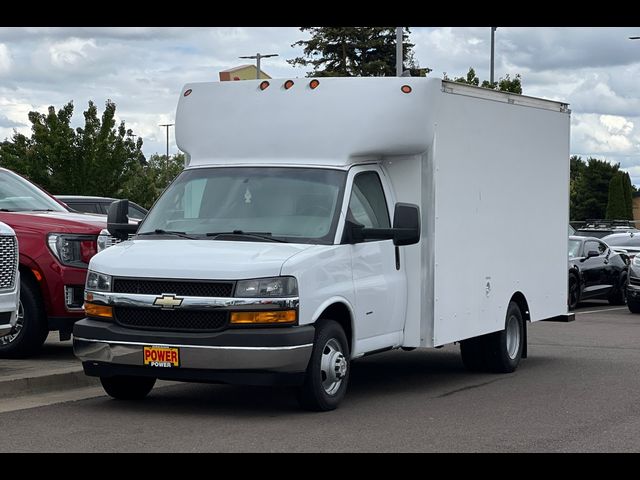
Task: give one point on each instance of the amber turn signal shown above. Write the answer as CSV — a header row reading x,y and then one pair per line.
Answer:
x,y
313,84
288,84
264,85
406,89
100,311
245,318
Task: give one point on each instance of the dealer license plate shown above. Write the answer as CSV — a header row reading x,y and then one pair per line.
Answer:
x,y
166,357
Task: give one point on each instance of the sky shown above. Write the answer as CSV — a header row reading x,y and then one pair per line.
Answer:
x,y
142,69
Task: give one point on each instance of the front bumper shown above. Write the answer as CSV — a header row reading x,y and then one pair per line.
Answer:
x,y
243,356
9,301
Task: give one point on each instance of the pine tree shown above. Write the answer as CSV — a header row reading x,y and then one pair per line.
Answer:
x,y
616,206
354,52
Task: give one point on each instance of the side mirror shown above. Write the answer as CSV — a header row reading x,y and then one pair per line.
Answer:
x,y
593,253
406,224
118,220
405,231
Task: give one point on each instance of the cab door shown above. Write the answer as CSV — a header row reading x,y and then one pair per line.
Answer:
x,y
379,281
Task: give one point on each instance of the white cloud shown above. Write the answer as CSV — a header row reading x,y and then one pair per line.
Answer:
x,y
5,59
142,69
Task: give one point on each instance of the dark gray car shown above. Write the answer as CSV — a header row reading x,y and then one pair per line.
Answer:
x,y
99,205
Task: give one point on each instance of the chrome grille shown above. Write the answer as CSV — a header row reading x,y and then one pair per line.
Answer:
x,y
179,319
634,281
8,261
176,287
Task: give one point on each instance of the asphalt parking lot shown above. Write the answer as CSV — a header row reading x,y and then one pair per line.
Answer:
x,y
577,392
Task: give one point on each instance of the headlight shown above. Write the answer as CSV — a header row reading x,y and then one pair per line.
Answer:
x,y
105,240
636,261
98,282
267,287
72,250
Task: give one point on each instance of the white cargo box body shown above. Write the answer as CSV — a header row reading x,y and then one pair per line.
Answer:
x,y
489,170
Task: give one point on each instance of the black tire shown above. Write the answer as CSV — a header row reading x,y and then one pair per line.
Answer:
x,y
127,388
502,356
27,340
618,295
473,354
634,305
574,292
316,393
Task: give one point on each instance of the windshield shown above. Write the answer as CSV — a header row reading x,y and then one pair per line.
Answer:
x,y
18,195
298,205
574,248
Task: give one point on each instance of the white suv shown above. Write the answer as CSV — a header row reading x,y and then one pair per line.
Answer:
x,y
9,281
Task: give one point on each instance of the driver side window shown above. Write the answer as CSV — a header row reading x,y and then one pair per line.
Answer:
x,y
367,205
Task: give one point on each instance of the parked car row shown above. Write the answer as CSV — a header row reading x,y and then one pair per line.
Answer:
x,y
99,205
56,245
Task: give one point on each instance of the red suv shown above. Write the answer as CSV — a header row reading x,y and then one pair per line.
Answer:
x,y
55,248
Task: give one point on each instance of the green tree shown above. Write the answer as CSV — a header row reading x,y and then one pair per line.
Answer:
x,y
148,181
616,205
506,84
591,189
354,52
627,190
90,160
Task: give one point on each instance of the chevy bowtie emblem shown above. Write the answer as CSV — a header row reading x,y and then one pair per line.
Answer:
x,y
168,301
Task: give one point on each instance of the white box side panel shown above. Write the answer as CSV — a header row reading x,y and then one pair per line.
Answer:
x,y
501,205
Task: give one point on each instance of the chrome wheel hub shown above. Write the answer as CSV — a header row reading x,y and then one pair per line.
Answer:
x,y
10,337
513,337
333,366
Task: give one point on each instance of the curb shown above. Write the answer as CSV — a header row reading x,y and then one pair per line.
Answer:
x,y
57,380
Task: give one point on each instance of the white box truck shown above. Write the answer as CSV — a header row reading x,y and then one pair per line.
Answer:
x,y
321,220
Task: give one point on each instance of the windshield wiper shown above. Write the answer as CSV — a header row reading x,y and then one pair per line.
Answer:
x,y
261,235
43,210
159,231
6,210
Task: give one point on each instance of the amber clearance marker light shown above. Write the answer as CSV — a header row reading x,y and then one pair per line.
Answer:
x,y
313,84
188,92
264,85
288,84
102,311
406,89
285,316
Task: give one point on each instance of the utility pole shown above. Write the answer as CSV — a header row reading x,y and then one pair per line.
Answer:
x,y
493,46
399,59
257,58
167,125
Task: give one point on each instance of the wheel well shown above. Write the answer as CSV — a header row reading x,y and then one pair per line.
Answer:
x,y
339,313
520,299
25,272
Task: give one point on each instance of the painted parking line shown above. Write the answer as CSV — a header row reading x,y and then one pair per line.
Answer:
x,y
603,310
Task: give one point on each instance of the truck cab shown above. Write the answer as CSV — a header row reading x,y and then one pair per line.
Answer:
x,y
55,248
320,229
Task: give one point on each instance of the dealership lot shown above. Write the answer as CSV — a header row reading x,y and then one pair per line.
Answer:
x,y
577,391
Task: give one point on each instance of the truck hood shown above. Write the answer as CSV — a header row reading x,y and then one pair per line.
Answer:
x,y
62,222
195,259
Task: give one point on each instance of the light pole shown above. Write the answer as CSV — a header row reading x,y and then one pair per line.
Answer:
x,y
399,58
167,125
493,47
257,58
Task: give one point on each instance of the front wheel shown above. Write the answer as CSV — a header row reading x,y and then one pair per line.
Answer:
x,y
127,388
30,331
574,292
327,376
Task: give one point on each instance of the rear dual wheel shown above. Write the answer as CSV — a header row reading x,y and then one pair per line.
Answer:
x,y
498,352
